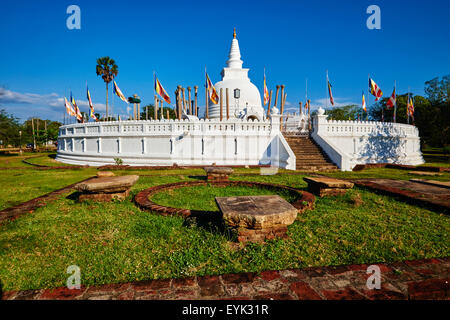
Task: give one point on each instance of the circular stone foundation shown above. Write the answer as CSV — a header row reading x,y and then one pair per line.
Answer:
x,y
304,201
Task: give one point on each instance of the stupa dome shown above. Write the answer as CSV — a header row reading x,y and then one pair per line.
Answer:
x,y
244,96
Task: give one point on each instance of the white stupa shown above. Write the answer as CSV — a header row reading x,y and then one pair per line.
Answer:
x,y
244,96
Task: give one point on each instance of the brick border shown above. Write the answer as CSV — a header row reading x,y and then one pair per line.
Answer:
x,y
406,280
410,195
142,199
29,206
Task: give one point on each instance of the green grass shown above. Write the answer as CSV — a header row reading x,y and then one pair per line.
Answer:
x,y
15,160
203,197
384,173
22,185
47,160
117,242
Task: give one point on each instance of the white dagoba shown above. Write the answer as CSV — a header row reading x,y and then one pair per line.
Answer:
x,y
244,96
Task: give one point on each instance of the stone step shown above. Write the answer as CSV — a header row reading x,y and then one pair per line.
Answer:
x,y
310,156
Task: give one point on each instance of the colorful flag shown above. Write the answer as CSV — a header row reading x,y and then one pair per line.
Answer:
x,y
364,103
160,90
375,90
75,107
266,92
91,106
410,107
118,92
329,92
392,100
69,107
211,90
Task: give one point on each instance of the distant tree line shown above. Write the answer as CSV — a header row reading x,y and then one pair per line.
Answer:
x,y
13,133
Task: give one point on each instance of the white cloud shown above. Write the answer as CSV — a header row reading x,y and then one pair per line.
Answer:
x,y
44,105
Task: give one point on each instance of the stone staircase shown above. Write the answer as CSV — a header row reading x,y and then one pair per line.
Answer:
x,y
310,156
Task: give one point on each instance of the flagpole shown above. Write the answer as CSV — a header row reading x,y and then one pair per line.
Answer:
x,y
407,106
306,97
368,97
326,89
395,97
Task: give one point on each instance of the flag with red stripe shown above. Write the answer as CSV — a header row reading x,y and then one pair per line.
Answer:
x,y
91,106
211,90
160,90
119,93
75,107
364,103
392,100
69,107
266,91
330,93
375,90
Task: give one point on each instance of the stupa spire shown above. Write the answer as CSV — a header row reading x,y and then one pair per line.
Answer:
x,y
234,57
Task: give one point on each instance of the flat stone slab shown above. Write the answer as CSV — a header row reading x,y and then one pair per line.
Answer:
x,y
218,170
329,183
104,197
101,174
425,193
107,184
425,173
441,184
257,212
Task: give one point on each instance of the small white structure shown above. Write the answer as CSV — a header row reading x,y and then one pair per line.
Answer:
x,y
248,137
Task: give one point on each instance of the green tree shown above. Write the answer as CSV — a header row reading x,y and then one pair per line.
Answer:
x,y
344,113
108,70
438,91
9,129
151,112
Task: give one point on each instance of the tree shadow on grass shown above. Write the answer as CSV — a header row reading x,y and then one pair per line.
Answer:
x,y
74,196
210,221
198,177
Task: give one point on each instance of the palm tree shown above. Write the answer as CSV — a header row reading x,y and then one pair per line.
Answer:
x,y
107,68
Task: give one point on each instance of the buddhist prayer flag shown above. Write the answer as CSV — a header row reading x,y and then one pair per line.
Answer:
x,y
410,107
364,103
392,100
75,107
375,90
266,92
91,106
160,90
69,107
211,90
118,92
330,93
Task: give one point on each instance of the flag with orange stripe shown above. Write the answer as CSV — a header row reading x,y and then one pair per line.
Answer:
x,y
211,90
160,90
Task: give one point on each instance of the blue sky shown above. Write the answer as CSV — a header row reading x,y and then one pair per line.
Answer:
x,y
41,60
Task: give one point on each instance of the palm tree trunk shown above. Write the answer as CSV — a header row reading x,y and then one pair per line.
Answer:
x,y
107,101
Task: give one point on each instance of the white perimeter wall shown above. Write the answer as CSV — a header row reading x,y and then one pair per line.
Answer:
x,y
349,143
185,142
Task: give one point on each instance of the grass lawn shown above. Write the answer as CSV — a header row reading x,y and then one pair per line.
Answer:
x,y
117,242
202,197
15,160
22,185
